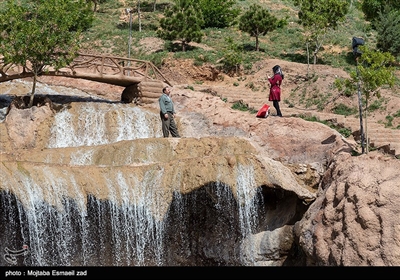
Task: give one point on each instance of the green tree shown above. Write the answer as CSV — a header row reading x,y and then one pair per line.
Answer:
x,y
372,8
95,4
257,22
233,56
219,13
388,31
318,17
182,21
41,33
374,70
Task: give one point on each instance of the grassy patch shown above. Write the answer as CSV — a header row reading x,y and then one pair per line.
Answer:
x,y
241,106
346,132
341,109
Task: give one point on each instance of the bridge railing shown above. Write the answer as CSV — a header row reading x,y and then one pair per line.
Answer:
x,y
103,68
114,65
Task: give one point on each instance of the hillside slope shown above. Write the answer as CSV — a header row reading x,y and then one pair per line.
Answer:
x,y
298,95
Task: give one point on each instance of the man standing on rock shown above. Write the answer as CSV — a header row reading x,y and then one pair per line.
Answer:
x,y
167,113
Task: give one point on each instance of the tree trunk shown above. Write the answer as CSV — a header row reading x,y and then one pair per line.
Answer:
x,y
95,4
138,11
360,114
315,56
366,127
308,59
257,44
33,91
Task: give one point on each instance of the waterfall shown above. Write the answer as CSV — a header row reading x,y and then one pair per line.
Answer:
x,y
62,225
122,230
116,231
50,230
248,208
134,230
211,219
102,123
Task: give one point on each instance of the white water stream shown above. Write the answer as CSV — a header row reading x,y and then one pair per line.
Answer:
x,y
95,125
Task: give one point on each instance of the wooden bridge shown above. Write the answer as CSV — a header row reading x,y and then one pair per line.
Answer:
x,y
142,80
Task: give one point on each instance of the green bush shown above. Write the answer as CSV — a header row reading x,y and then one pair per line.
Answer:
x,y
388,27
241,106
346,132
344,110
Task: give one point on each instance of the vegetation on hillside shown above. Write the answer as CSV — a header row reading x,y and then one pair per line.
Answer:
x,y
183,22
110,32
286,30
373,71
258,21
319,18
43,32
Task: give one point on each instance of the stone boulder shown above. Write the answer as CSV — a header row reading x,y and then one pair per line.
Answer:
x,y
355,218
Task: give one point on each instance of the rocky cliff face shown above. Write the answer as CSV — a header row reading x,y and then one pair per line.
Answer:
x,y
353,221
234,190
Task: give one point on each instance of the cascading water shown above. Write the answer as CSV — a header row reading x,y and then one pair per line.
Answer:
x,y
203,227
123,228
94,124
248,208
133,227
200,228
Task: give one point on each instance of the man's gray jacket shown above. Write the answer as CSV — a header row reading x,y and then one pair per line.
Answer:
x,y
166,104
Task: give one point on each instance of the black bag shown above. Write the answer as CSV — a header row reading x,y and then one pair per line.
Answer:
x,y
278,70
355,43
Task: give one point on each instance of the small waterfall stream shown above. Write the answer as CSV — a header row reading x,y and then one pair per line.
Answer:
x,y
94,124
203,227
